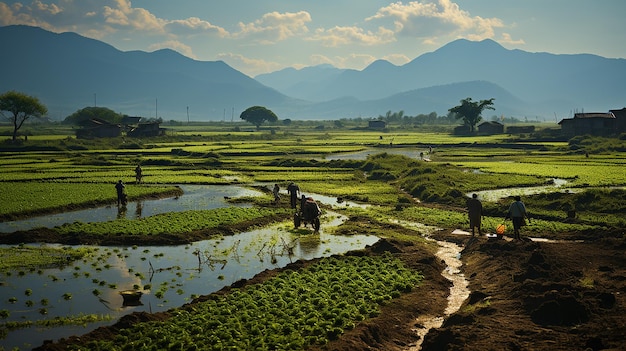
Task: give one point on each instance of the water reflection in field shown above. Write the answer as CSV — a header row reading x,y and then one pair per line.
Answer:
x,y
174,274
195,197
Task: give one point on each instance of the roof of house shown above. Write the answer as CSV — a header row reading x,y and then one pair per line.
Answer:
x,y
594,115
493,123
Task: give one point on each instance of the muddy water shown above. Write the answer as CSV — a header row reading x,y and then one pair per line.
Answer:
x,y
450,253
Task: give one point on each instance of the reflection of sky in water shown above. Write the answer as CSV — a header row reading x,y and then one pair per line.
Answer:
x,y
362,155
497,194
177,271
195,197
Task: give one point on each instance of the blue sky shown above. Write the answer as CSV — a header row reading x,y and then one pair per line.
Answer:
x,y
260,36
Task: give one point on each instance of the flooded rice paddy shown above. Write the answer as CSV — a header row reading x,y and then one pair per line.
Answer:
x,y
167,276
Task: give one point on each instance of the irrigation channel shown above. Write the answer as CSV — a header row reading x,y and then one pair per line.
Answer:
x,y
168,276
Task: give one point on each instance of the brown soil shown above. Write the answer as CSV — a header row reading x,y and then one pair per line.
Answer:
x,y
525,295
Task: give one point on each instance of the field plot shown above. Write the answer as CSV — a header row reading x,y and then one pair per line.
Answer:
x,y
391,187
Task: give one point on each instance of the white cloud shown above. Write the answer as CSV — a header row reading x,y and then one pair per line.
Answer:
x,y
274,27
194,25
431,20
124,15
339,36
506,39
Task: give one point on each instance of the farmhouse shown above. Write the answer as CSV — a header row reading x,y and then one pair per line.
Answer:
x,y
146,130
377,124
99,128
594,123
620,119
491,128
520,129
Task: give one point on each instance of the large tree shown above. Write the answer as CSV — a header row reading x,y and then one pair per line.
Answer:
x,y
83,116
21,107
470,111
257,115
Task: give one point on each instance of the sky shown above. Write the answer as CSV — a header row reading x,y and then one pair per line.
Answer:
x,y
262,36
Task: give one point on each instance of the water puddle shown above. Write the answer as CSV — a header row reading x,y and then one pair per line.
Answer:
x,y
412,152
195,197
168,276
554,185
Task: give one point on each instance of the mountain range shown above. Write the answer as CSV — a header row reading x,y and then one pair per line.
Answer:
x,y
68,72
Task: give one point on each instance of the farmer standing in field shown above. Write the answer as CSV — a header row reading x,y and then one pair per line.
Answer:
x,y
517,212
120,193
475,213
293,190
276,192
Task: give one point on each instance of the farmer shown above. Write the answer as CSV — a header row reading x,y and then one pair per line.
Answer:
x,y
475,213
276,192
120,193
138,174
302,203
517,212
293,191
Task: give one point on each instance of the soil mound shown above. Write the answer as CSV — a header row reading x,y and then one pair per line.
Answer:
x,y
539,296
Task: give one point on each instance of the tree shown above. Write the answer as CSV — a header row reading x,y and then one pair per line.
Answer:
x,y
257,115
470,111
83,116
21,107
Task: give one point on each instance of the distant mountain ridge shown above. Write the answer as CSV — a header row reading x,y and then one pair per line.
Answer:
x,y
68,72
547,83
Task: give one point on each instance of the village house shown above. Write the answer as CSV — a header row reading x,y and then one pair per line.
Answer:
x,y
593,123
146,130
99,128
491,127
377,124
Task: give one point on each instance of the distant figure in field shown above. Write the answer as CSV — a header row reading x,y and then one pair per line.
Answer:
x,y
121,196
293,191
517,212
276,192
138,173
475,213
302,202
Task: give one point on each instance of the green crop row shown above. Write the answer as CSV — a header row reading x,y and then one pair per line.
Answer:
x,y
291,311
171,223
31,197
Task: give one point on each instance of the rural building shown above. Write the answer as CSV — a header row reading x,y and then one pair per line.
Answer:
x,y
146,130
491,128
620,119
377,124
520,129
594,123
98,128
462,130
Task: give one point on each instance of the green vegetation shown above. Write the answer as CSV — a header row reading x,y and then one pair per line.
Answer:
x,y
171,223
23,198
29,256
291,311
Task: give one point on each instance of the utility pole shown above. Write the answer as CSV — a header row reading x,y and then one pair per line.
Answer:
x,y
187,114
